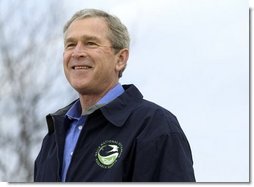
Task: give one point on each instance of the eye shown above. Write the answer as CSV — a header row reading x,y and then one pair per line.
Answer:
x,y
91,44
69,45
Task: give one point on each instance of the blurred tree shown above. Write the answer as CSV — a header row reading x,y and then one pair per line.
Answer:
x,y
30,57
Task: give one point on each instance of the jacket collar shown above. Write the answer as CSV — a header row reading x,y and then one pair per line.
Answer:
x,y
116,112
58,116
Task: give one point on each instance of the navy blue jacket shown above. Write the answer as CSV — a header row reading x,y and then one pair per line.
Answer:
x,y
129,139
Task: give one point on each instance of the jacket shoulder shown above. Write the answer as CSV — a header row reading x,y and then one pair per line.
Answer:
x,y
154,109
155,118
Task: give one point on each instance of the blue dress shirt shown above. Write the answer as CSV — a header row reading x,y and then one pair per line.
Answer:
x,y
78,121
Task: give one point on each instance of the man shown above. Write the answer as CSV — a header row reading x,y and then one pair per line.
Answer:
x,y
110,133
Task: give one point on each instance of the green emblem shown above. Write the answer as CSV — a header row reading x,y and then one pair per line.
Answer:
x,y
107,153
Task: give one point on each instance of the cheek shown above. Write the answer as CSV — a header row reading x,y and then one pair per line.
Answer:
x,y
66,58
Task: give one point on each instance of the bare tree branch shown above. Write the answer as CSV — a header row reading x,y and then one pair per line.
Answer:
x,y
28,74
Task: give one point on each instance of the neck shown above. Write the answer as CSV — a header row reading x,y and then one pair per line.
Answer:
x,y
88,100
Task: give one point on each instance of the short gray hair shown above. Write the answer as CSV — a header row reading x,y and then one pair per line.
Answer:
x,y
118,33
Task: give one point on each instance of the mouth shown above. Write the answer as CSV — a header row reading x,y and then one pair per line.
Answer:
x,y
81,67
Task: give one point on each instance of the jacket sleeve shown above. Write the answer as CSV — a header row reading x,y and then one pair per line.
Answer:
x,y
166,158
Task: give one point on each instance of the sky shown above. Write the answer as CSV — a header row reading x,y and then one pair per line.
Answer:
x,y
192,57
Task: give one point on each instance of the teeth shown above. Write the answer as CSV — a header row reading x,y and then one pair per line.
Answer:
x,y
81,67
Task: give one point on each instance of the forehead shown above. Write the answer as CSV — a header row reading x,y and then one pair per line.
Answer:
x,y
92,26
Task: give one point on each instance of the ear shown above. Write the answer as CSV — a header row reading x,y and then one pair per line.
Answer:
x,y
122,58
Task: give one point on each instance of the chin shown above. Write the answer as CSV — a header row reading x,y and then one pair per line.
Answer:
x,y
84,90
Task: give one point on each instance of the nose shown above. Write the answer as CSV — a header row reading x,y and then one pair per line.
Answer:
x,y
79,51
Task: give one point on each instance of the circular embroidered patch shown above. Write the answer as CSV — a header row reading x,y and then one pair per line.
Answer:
x,y
107,153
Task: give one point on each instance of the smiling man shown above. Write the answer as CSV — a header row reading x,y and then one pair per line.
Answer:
x,y
110,133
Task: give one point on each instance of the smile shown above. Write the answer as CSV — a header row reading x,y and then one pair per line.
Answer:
x,y
81,67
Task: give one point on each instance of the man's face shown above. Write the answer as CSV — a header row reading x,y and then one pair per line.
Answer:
x,y
90,64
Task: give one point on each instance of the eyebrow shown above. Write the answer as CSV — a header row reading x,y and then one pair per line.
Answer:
x,y
85,37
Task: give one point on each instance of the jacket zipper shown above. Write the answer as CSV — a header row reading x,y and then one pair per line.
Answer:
x,y
76,146
57,152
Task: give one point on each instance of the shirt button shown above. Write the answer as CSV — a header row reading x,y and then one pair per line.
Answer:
x,y
80,127
71,153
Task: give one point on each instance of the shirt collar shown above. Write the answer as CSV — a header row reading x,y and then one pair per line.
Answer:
x,y
111,94
75,111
